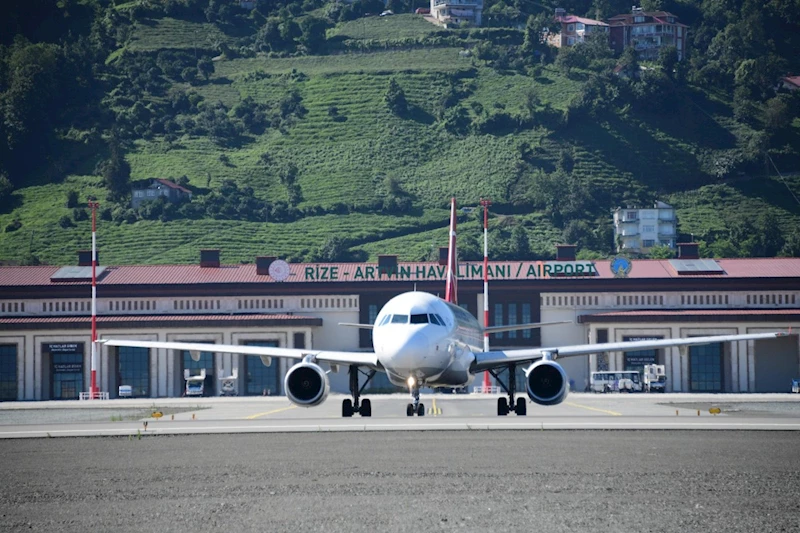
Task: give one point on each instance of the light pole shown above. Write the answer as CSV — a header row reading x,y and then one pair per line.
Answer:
x,y
485,203
93,392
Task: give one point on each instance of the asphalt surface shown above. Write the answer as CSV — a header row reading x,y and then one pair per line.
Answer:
x,y
483,481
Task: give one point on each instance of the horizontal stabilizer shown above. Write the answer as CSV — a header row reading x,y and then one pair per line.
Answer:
x,y
515,327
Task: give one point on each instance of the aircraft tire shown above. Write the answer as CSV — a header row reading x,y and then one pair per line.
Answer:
x,y
522,407
410,409
347,408
366,408
502,407
421,409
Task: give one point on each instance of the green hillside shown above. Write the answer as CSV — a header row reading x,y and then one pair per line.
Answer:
x,y
299,154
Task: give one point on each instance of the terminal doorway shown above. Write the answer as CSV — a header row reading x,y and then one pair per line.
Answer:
x,y
64,361
206,361
705,368
261,380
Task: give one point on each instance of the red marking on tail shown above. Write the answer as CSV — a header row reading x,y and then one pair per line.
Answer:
x,y
451,290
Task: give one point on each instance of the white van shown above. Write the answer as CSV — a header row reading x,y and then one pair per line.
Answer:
x,y
615,381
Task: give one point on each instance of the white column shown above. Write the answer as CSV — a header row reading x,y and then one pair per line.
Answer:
x,y
37,371
751,366
30,368
742,365
734,347
668,367
166,371
684,358
155,376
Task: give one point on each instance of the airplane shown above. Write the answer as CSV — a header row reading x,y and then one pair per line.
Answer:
x,y
421,340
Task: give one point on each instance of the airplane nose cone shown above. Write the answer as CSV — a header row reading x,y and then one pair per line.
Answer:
x,y
410,353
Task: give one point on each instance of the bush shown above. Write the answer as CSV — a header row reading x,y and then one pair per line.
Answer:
x,y
72,199
14,225
65,222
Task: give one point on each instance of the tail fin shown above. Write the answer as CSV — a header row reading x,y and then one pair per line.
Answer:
x,y
451,290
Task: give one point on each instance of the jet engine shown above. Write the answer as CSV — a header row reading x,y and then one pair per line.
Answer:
x,y
306,384
547,383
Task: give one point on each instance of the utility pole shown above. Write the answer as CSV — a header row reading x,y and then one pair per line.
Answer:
x,y
485,203
93,391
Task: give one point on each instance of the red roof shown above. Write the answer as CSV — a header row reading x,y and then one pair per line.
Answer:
x,y
33,276
697,315
172,185
109,320
794,80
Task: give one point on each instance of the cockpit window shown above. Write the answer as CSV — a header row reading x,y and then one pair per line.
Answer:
x,y
436,320
385,319
419,319
399,319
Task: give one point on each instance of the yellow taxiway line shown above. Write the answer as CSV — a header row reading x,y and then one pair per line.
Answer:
x,y
433,410
257,415
612,413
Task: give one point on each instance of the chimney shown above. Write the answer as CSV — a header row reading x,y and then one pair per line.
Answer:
x,y
688,250
85,258
565,252
560,12
209,258
262,265
387,265
443,255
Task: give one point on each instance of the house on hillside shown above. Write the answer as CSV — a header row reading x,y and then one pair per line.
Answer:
x,y
452,13
638,230
160,188
789,83
648,32
573,29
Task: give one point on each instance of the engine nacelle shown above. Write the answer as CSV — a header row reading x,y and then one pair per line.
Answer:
x,y
547,383
306,384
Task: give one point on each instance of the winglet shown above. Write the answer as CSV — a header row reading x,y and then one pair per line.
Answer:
x,y
451,291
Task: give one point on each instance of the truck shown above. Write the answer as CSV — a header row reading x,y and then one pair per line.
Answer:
x,y
655,378
195,385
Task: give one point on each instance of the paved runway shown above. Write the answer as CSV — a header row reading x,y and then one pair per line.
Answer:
x,y
443,412
481,481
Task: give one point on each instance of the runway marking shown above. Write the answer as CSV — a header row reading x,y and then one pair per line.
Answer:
x,y
433,410
252,417
612,413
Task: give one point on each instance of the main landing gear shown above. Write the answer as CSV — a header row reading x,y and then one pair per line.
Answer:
x,y
505,405
364,408
415,407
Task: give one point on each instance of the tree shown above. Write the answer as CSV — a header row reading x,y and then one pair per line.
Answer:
x,y
661,252
334,249
206,67
313,33
115,170
520,246
395,98
668,59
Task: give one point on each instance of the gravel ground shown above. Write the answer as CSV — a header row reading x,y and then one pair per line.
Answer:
x,y
398,482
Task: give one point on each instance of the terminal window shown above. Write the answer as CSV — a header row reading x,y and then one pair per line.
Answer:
x,y
8,372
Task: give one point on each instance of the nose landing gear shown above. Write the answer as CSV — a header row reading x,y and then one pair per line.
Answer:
x,y
415,406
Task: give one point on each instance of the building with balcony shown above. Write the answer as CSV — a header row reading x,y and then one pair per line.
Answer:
x,y
453,13
648,32
573,30
637,230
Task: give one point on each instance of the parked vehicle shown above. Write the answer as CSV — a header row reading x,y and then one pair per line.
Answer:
x,y
655,378
615,381
796,385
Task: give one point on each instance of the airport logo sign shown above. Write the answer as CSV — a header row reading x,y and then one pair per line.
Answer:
x,y
434,272
621,266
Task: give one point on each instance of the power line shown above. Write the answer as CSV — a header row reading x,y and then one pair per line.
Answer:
x,y
782,178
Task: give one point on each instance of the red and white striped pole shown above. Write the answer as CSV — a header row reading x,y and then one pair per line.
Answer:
x,y
93,392
486,203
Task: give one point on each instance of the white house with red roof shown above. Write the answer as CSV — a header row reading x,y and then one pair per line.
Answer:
x,y
790,83
158,188
648,32
574,29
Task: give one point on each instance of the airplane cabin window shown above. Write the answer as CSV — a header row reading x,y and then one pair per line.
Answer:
x,y
399,319
419,319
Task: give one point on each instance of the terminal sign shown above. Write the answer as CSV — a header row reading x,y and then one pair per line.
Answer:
x,y
434,272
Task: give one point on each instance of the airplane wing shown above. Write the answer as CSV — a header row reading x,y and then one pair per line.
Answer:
x,y
366,359
516,327
354,325
492,359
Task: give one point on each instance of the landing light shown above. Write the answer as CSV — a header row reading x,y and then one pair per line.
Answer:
x,y
411,382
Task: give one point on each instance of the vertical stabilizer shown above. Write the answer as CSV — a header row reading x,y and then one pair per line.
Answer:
x,y
451,290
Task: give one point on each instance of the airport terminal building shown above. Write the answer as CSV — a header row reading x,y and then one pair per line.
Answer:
x,y
45,334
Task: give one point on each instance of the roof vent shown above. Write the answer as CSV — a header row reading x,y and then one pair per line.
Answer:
x,y
85,258
262,265
688,250
209,258
443,255
565,252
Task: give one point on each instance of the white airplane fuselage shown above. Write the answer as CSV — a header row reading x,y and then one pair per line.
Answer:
x,y
419,335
